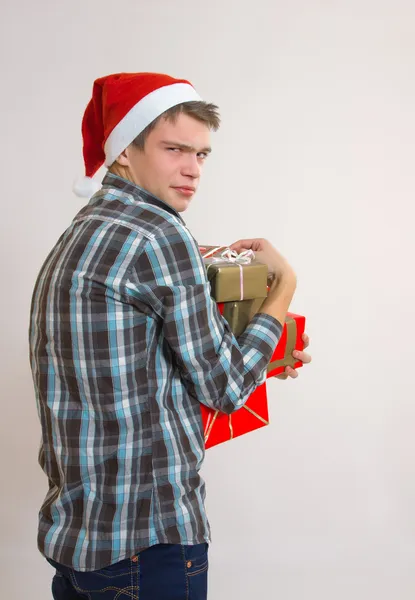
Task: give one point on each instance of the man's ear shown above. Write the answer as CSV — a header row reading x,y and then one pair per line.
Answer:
x,y
123,159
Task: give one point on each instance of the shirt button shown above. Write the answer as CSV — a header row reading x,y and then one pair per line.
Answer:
x,y
135,559
189,564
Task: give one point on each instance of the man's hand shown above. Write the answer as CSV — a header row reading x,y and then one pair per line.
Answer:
x,y
267,254
298,355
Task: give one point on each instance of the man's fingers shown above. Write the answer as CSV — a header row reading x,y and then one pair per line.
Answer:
x,y
306,340
302,356
241,245
282,376
247,244
291,372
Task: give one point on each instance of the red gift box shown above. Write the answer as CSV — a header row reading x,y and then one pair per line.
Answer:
x,y
291,339
219,427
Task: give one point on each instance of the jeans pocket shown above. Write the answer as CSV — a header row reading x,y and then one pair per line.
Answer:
x,y
196,559
197,565
120,579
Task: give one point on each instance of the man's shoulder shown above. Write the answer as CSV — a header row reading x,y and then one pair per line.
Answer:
x,y
144,218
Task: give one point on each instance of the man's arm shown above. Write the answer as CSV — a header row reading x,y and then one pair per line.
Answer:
x,y
219,370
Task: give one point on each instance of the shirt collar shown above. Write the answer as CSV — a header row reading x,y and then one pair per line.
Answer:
x,y
138,193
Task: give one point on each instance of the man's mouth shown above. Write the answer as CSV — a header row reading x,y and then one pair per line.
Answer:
x,y
186,190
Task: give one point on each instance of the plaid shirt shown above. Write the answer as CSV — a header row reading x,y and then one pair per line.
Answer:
x,y
125,342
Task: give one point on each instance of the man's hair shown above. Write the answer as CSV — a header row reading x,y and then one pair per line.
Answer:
x,y
201,111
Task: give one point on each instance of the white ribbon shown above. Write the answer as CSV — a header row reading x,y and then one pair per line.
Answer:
x,y
229,256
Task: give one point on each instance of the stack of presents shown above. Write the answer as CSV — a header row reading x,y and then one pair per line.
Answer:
x,y
240,284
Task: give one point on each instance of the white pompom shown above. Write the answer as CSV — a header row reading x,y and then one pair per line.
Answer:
x,y
85,187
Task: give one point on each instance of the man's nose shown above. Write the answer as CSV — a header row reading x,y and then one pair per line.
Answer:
x,y
191,166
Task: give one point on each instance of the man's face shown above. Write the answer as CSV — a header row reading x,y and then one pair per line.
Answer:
x,y
171,163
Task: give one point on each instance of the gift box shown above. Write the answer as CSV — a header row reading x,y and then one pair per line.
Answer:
x,y
219,427
238,307
239,314
291,339
234,277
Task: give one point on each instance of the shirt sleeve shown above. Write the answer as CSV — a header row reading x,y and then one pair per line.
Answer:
x,y
217,368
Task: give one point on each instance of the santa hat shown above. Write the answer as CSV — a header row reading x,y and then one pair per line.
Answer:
x,y
121,107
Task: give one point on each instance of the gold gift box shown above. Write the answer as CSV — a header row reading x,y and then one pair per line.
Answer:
x,y
239,314
230,281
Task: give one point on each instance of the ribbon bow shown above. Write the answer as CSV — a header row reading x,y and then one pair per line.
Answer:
x,y
231,257
228,255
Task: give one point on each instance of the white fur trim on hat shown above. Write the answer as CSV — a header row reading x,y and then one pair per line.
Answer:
x,y
85,187
143,113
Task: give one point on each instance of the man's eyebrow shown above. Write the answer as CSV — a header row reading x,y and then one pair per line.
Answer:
x,y
186,147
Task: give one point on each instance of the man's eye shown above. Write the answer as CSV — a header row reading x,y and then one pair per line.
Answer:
x,y
177,149
203,155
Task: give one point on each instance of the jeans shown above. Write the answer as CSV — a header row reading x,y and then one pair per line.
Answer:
x,y
161,572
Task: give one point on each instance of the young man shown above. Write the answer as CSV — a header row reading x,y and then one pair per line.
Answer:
x,y
126,342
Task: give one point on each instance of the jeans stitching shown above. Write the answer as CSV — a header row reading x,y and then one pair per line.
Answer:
x,y
75,585
201,570
125,590
135,585
101,574
185,572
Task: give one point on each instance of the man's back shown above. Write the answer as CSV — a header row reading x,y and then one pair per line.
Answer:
x,y
106,384
125,344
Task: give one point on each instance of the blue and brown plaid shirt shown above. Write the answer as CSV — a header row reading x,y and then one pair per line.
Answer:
x,y
125,343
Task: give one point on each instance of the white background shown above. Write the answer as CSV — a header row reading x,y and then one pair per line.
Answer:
x,y
316,153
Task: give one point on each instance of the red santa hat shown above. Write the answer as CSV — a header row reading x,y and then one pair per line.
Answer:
x,y
121,107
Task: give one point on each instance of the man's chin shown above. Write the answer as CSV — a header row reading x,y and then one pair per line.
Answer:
x,y
179,201
184,206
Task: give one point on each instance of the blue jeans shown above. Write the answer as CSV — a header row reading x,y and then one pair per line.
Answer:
x,y
161,572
